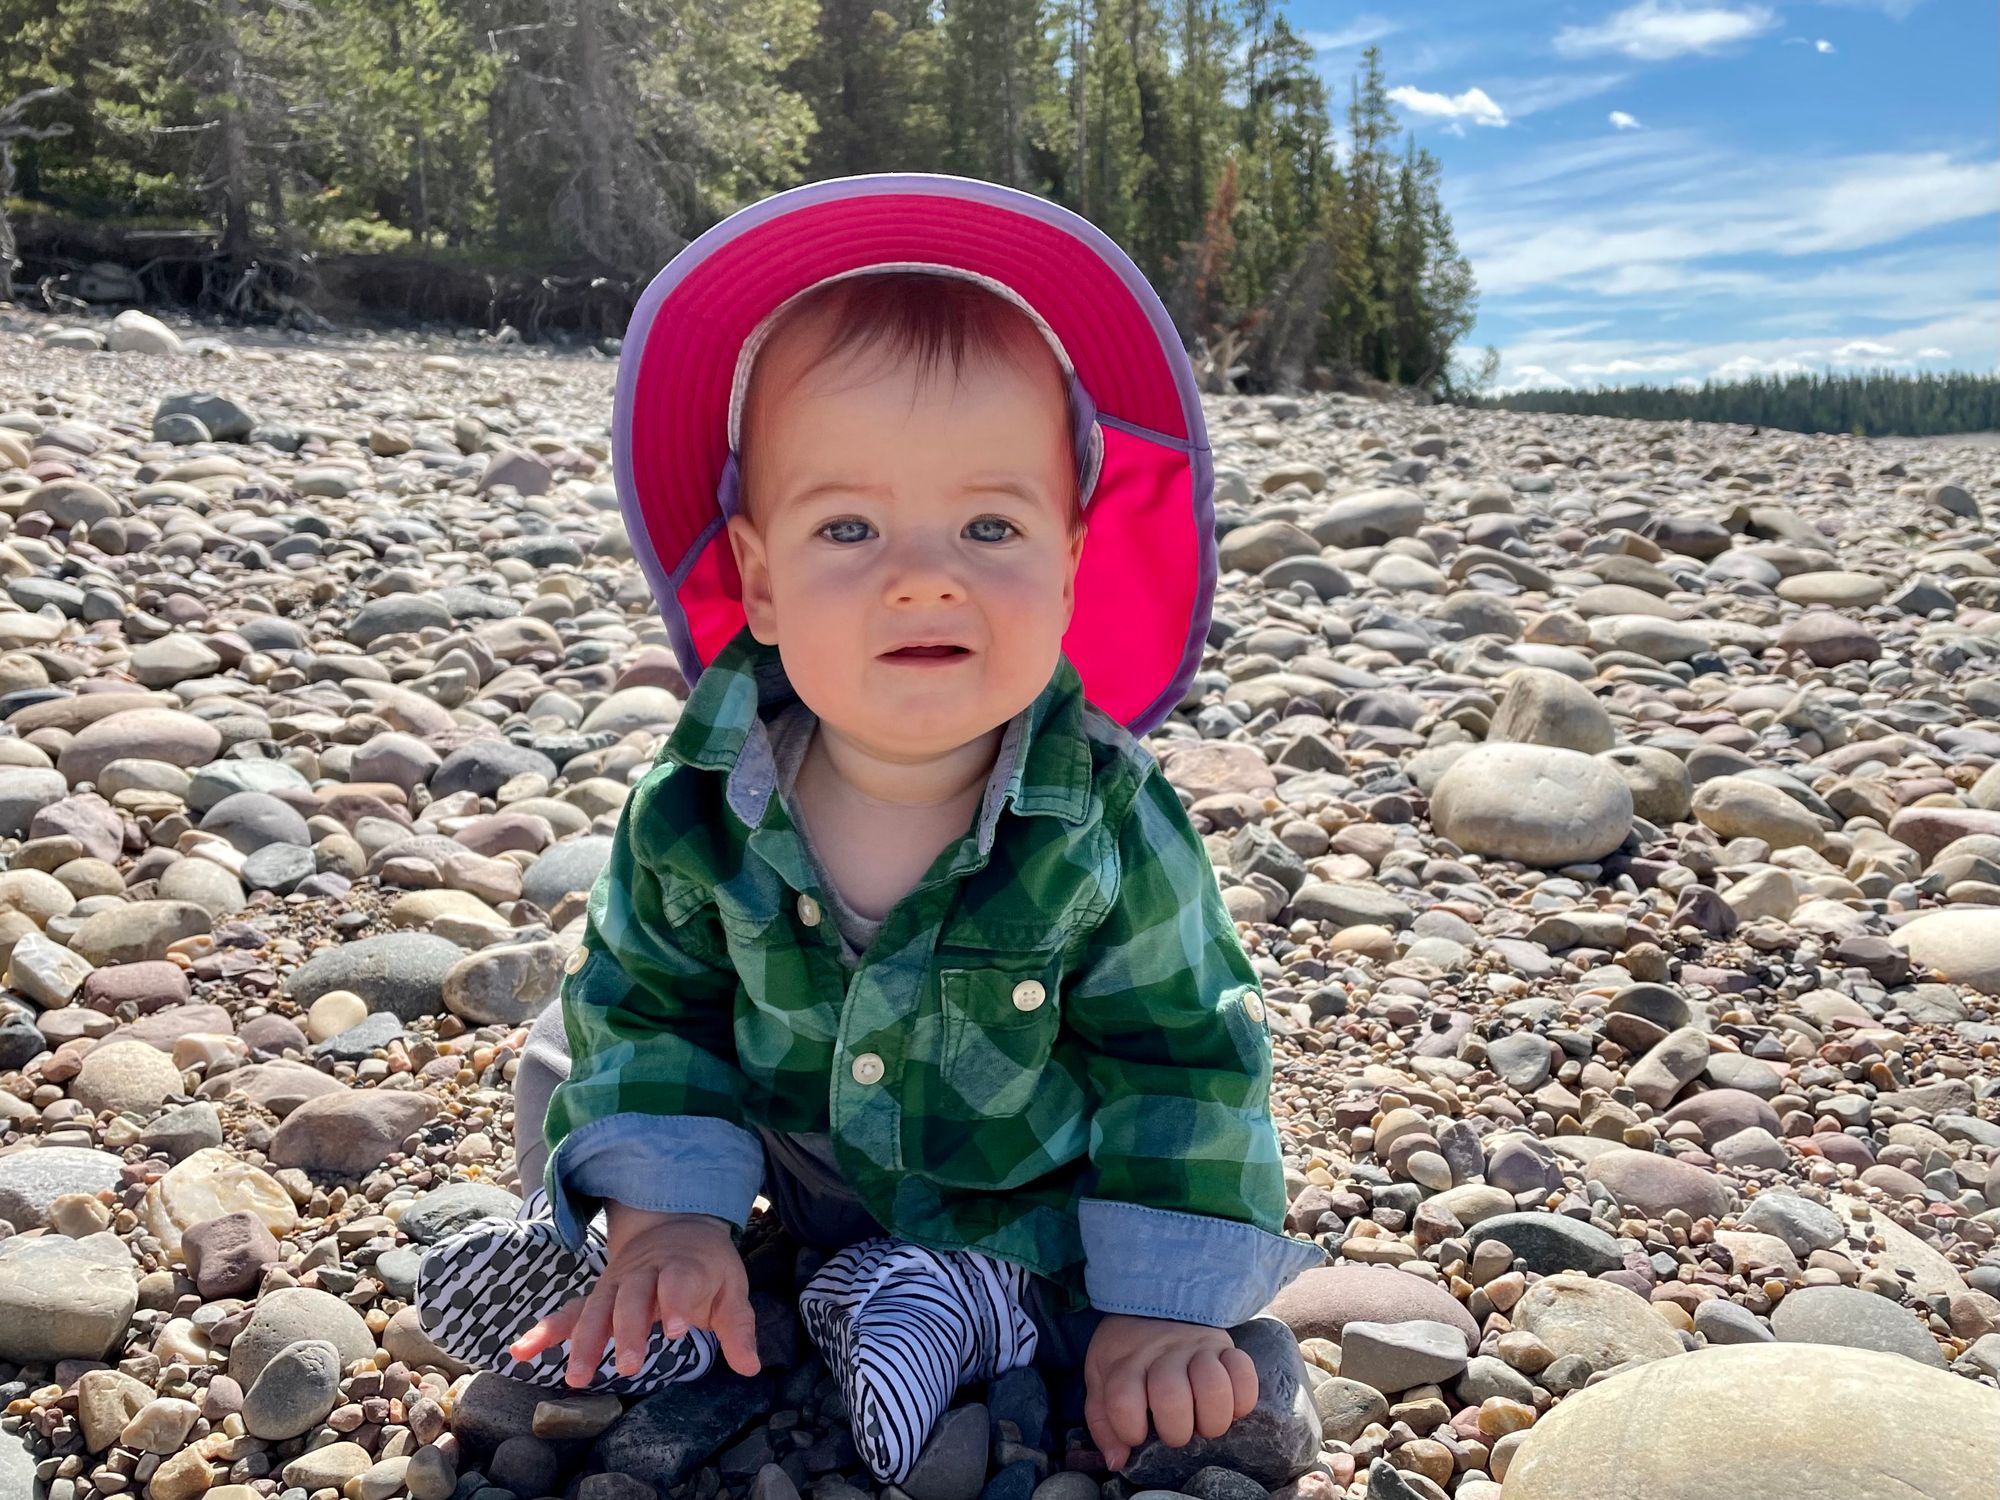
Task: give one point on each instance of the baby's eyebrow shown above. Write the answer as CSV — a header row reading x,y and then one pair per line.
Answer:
x,y
982,484
833,487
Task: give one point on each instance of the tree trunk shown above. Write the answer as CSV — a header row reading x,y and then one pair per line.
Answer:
x,y
274,197
235,177
423,185
8,256
497,126
1080,66
599,227
1191,81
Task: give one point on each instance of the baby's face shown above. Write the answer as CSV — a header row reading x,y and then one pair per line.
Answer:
x,y
909,548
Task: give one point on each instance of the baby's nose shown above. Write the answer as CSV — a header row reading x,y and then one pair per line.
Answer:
x,y
919,572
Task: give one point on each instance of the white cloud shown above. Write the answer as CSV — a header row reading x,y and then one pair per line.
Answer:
x,y
1524,377
1933,352
1859,349
1651,364
1749,366
1822,45
1554,219
1357,33
1622,121
1528,360
1531,96
1654,32
1474,105
1895,10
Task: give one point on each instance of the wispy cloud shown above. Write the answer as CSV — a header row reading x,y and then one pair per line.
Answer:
x,y
1561,228
1655,32
1750,366
1622,121
1651,364
1555,357
1895,10
1532,96
1357,33
1474,105
1821,46
1523,377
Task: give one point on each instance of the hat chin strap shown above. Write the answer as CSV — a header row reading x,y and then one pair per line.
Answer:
x,y
1086,436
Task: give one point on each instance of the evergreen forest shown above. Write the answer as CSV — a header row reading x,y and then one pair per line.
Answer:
x,y
533,162
1881,403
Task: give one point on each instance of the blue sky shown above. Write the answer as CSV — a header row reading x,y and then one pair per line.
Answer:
x,y
1668,190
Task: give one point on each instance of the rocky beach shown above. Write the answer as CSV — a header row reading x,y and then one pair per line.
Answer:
x,y
1610,808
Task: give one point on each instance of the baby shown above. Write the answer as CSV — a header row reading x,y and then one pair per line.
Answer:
x,y
902,930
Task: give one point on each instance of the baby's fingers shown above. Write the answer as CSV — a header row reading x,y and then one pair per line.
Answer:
x,y
734,1323
632,1325
1243,1378
1171,1397
591,1335
1214,1396
1116,1414
546,1334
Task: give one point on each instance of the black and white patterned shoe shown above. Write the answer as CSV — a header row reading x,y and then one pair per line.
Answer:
x,y
902,1327
484,1287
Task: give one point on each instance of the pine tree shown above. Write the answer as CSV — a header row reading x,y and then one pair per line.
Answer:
x,y
1002,114
871,81
539,136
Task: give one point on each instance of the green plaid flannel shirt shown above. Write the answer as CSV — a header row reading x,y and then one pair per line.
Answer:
x,y
1054,1052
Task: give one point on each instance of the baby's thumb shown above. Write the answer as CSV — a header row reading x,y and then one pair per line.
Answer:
x,y
734,1324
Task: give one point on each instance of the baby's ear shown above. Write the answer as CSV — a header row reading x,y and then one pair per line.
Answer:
x,y
1076,541
753,566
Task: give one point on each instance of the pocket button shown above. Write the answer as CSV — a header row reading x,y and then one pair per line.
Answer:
x,y
808,911
1029,995
1253,1007
867,1069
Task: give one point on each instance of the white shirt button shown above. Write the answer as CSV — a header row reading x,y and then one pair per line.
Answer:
x,y
1029,995
576,960
808,911
867,1068
1253,1006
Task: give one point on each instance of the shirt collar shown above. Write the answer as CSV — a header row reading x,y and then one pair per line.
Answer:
x,y
1043,765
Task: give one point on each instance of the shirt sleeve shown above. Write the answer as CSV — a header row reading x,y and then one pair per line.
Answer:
x,y
651,1115
1187,1213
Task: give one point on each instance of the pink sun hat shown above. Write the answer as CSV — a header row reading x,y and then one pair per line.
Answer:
x,y
1146,581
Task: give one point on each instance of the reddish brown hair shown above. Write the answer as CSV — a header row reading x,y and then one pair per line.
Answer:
x,y
923,317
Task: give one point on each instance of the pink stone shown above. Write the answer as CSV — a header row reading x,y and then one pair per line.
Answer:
x,y
1320,1303
1928,829
154,985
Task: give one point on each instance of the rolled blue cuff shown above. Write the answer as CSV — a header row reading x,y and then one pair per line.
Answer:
x,y
1194,1268
689,1164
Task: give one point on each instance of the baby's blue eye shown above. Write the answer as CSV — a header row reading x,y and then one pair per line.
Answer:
x,y
989,529
847,531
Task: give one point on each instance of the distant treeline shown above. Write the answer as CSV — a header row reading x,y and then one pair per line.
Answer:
x,y
1879,403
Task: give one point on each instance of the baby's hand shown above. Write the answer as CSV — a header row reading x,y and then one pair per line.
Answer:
x,y
1193,1378
681,1271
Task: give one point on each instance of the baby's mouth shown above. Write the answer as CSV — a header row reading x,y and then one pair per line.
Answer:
x,y
924,653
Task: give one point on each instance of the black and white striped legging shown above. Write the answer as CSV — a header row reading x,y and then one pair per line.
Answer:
x,y
900,1326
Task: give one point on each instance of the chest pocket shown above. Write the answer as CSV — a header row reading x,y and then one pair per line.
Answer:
x,y
999,1023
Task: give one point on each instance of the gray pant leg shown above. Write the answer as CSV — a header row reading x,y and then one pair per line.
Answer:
x,y
544,1064
811,1200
